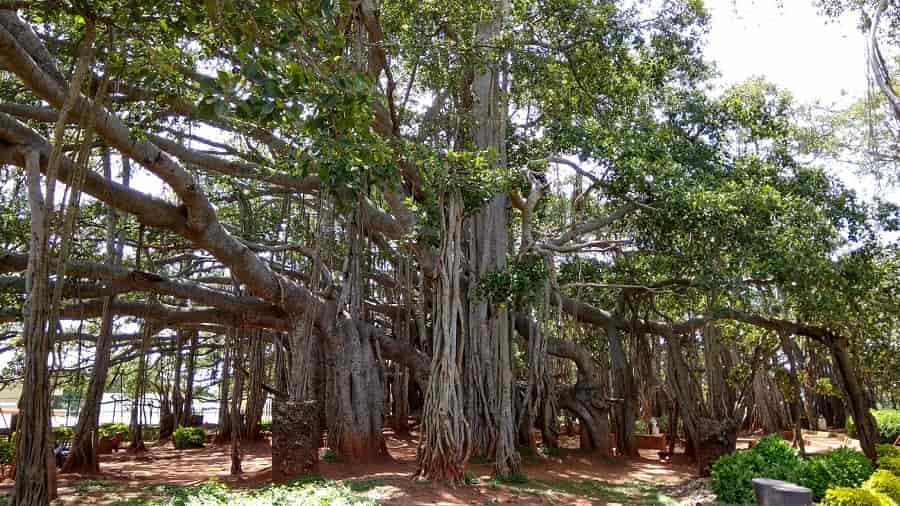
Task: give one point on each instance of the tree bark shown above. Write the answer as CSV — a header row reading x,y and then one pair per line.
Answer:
x,y
446,441
236,397
34,445
83,457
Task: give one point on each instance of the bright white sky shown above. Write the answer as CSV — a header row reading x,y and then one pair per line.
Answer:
x,y
791,45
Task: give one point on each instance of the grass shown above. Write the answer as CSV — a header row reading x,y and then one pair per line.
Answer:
x,y
637,494
363,485
309,490
331,456
83,487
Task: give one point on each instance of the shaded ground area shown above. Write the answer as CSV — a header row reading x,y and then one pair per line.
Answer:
x,y
566,477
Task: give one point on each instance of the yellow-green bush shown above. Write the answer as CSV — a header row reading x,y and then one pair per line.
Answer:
x,y
891,464
884,482
843,496
887,451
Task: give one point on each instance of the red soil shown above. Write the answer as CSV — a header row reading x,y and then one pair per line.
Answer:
x,y
165,465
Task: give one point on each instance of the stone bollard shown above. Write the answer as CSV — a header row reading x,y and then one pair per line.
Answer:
x,y
780,493
295,439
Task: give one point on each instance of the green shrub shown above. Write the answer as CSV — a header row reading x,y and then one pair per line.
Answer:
x,y
781,459
843,496
63,434
886,483
772,457
888,421
839,468
189,437
265,426
887,451
732,477
7,451
111,429
891,464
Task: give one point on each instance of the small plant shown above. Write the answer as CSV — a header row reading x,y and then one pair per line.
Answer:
x,y
331,456
189,437
470,479
884,482
843,496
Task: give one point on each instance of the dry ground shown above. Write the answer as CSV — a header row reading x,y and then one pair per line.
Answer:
x,y
570,478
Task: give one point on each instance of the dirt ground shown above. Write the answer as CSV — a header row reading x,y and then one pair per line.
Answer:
x,y
125,476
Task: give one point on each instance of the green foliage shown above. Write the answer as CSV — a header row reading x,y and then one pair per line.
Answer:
x,y
265,426
842,467
189,437
7,451
61,434
520,282
111,429
891,464
512,479
363,485
331,456
886,483
888,422
887,451
312,491
854,497
732,475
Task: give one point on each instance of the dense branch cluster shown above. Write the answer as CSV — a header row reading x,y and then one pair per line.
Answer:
x,y
490,215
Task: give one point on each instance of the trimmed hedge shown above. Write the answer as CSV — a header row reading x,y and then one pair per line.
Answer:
x,y
888,421
189,437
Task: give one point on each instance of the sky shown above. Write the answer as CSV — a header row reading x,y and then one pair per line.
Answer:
x,y
788,42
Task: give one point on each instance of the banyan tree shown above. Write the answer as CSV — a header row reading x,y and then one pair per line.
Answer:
x,y
485,216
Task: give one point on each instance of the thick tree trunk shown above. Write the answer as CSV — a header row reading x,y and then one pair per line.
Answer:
x,y
710,437
355,430
446,441
866,429
625,412
487,367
